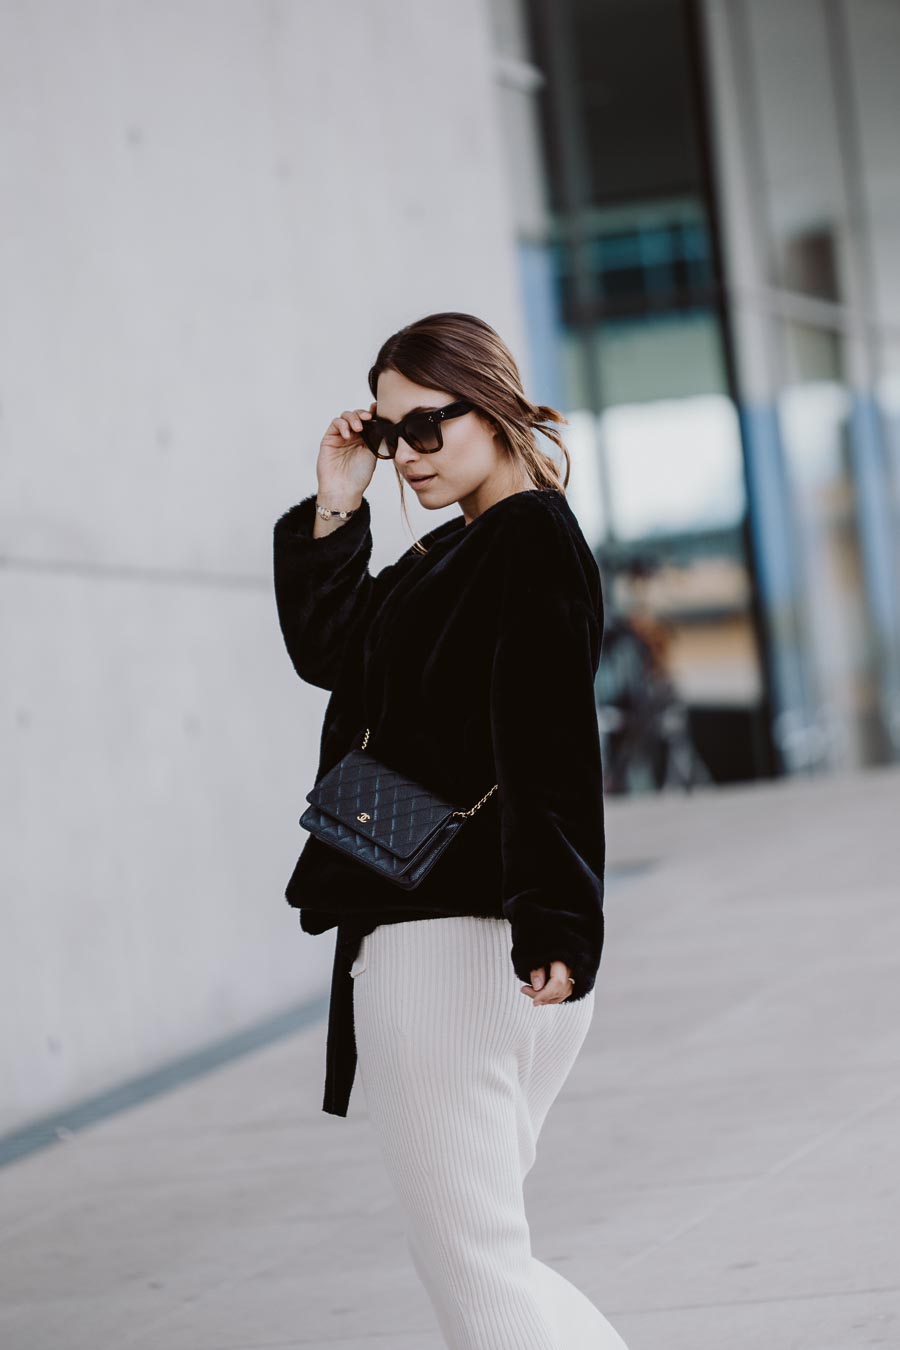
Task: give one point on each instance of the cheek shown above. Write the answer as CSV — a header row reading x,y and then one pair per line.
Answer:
x,y
467,454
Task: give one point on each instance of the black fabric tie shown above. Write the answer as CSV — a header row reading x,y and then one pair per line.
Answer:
x,y
340,1050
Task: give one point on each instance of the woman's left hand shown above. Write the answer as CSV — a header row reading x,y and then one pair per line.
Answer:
x,y
556,990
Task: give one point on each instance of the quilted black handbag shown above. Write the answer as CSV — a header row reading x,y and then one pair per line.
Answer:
x,y
382,818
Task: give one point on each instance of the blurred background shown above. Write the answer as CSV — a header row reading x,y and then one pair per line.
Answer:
x,y
684,218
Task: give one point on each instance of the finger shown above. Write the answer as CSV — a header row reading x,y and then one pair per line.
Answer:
x,y
344,427
560,971
558,987
553,992
351,417
559,976
538,996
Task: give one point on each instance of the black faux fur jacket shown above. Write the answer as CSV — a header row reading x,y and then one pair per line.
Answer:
x,y
472,664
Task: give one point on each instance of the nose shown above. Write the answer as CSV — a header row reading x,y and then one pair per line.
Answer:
x,y
405,456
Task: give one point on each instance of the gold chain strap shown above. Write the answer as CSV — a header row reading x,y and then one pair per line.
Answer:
x,y
472,809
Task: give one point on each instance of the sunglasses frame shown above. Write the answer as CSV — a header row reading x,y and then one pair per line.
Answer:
x,y
391,432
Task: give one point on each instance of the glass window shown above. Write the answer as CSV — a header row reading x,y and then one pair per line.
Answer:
x,y
816,410
887,390
675,465
794,106
874,28
669,429
630,71
888,403
639,361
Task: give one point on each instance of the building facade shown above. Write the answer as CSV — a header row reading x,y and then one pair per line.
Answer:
x,y
707,201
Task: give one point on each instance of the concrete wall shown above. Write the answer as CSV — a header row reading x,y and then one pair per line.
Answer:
x,y
212,213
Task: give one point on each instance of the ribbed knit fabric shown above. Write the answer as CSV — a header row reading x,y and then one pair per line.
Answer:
x,y
459,1071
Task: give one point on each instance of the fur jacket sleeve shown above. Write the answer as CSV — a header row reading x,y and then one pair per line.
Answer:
x,y
546,743
323,588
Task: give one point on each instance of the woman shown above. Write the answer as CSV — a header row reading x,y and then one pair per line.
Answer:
x,y
471,663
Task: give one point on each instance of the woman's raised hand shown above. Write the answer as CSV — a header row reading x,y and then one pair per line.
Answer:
x,y
346,464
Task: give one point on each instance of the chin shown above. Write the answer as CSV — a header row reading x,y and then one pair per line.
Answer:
x,y
434,498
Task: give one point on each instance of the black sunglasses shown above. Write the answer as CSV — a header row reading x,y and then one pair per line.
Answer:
x,y
420,430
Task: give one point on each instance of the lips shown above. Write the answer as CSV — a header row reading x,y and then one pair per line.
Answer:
x,y
424,478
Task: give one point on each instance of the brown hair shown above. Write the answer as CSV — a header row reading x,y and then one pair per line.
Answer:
x,y
463,355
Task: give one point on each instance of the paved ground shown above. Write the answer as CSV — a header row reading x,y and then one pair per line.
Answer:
x,y
722,1169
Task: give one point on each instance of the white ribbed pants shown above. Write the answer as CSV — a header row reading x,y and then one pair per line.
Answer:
x,y
459,1070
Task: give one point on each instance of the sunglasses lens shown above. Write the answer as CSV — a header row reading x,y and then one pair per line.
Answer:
x,y
373,435
421,433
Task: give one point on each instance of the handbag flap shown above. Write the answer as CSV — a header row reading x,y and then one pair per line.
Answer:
x,y
399,814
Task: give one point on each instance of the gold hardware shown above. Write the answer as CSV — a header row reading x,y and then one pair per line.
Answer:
x,y
363,815
472,809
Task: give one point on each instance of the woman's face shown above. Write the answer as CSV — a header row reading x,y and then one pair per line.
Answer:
x,y
470,468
